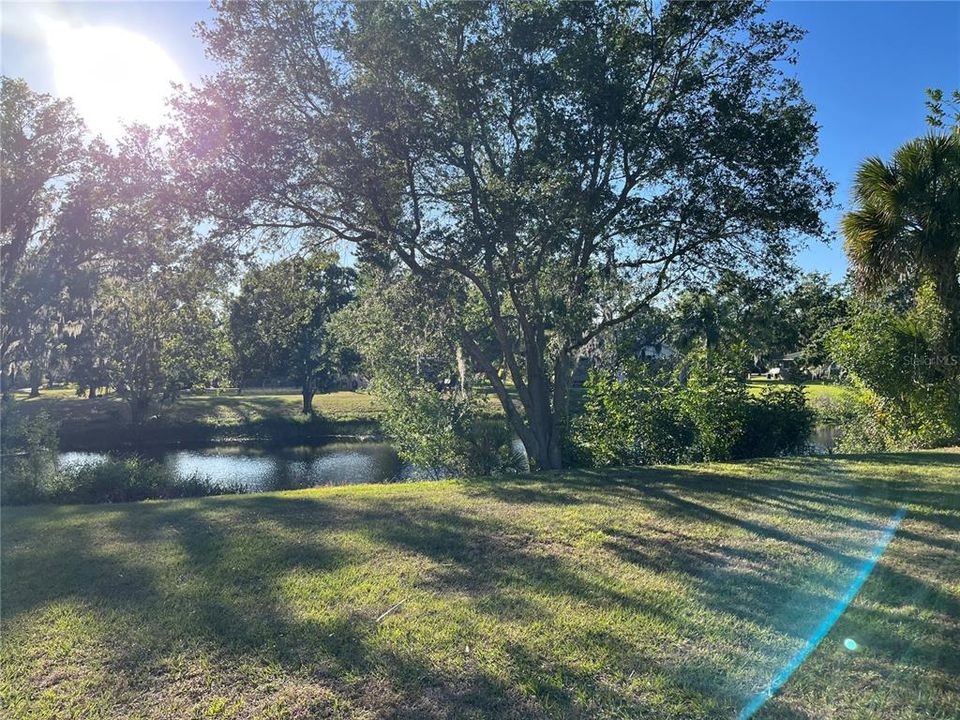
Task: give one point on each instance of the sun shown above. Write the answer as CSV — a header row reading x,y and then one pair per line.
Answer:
x,y
114,76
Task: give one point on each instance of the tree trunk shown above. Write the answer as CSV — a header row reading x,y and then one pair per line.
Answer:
x,y
139,406
91,392
6,381
308,393
542,423
462,371
544,418
36,378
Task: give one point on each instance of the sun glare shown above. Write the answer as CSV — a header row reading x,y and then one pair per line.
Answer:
x,y
114,76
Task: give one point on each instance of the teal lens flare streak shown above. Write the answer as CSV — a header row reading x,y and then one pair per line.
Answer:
x,y
828,622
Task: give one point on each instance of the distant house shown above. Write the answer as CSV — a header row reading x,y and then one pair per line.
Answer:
x,y
784,367
656,351
792,364
650,352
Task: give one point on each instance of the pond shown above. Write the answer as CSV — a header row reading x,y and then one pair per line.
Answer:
x,y
824,439
274,468
263,468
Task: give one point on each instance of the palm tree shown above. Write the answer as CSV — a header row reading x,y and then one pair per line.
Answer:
x,y
907,223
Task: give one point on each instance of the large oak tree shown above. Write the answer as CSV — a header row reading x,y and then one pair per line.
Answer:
x,y
562,164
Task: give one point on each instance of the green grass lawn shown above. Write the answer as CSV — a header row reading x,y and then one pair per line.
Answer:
x,y
814,390
662,593
103,420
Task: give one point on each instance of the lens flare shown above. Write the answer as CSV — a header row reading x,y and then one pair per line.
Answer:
x,y
828,622
114,76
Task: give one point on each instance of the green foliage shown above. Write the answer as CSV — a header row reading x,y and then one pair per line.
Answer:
x,y
937,116
631,420
714,403
43,146
861,424
28,444
159,336
906,223
425,426
279,323
779,422
566,162
702,412
911,385
410,348
444,433
768,317
31,475
126,480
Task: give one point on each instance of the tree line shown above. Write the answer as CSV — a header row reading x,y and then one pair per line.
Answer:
x,y
517,184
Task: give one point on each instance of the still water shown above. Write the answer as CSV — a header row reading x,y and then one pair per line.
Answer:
x,y
273,468
282,468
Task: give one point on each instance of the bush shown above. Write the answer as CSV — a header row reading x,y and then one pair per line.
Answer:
x,y
28,444
703,412
629,420
127,480
446,433
716,407
779,422
867,423
487,447
910,388
114,480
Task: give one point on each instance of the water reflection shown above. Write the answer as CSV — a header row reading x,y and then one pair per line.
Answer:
x,y
258,469
824,439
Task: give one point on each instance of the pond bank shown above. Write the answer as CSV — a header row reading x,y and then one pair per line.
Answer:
x,y
266,416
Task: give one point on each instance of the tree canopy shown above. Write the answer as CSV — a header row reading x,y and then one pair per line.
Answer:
x,y
906,224
279,322
562,164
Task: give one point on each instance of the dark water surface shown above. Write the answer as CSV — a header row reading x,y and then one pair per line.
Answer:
x,y
274,468
261,468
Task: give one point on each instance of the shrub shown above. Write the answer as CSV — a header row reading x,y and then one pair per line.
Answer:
x,y
715,405
487,447
445,432
861,426
703,412
910,388
127,480
113,480
629,420
28,444
779,422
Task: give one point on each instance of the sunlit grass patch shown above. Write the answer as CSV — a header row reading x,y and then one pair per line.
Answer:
x,y
626,593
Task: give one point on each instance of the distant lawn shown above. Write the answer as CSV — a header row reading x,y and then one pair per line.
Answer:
x,y
103,420
661,593
814,390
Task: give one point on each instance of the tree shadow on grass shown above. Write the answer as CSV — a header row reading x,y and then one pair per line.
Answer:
x,y
213,574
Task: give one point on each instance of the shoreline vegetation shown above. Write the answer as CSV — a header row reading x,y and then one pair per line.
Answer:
x,y
658,592
266,415
261,415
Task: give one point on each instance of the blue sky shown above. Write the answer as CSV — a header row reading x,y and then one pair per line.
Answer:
x,y
864,65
